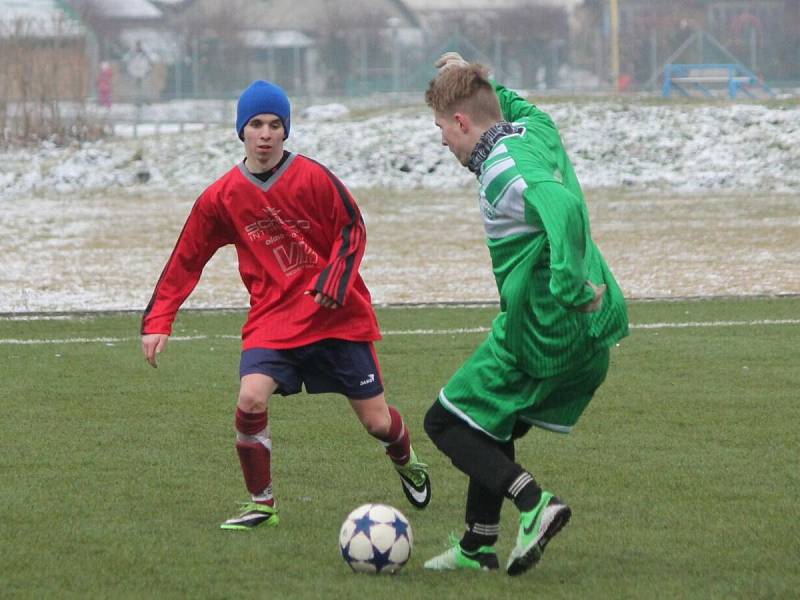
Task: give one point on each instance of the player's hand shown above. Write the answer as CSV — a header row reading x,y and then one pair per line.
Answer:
x,y
326,301
152,345
450,59
594,305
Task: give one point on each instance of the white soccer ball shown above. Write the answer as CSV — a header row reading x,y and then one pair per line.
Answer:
x,y
376,538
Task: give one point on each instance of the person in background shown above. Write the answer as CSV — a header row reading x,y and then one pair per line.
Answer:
x,y
104,84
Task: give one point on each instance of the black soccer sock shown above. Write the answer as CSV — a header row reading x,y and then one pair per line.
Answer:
x,y
482,517
479,534
525,492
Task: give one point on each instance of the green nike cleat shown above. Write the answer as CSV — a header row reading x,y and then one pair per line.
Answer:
x,y
483,559
252,516
536,528
415,480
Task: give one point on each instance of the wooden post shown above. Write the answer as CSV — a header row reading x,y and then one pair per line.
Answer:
x,y
615,45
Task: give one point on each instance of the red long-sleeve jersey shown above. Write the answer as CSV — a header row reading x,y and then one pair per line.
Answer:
x,y
298,233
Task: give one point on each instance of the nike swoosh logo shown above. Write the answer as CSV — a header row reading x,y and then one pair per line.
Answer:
x,y
528,530
418,495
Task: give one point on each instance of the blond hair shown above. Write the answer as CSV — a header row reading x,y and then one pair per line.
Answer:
x,y
464,89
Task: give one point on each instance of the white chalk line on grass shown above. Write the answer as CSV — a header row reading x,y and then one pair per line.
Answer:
x,y
455,331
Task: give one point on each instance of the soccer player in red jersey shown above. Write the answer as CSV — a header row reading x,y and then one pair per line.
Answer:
x,y
299,238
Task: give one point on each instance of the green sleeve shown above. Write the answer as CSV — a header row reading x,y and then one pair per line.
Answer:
x,y
561,214
516,108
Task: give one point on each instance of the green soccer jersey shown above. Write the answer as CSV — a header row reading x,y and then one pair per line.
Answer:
x,y
537,229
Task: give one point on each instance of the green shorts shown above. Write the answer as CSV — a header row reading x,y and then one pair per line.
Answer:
x,y
491,394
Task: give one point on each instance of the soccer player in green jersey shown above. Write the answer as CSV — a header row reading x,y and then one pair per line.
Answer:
x,y
560,312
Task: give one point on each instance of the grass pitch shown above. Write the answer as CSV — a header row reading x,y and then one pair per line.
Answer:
x,y
682,473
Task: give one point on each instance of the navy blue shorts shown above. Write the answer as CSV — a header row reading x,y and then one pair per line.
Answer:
x,y
328,366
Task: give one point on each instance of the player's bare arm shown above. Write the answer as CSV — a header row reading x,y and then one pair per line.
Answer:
x,y
153,344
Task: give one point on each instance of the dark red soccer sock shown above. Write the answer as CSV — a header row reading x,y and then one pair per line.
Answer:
x,y
250,423
255,454
397,441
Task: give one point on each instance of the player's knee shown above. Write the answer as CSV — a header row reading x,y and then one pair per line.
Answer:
x,y
377,425
251,402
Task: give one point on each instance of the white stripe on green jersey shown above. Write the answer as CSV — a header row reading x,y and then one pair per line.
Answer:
x,y
540,245
502,202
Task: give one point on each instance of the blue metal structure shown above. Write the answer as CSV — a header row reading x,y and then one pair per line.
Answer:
x,y
687,78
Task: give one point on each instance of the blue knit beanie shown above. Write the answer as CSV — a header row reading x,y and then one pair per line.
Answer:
x,y
262,97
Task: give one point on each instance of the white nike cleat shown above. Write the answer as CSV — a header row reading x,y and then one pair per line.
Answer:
x,y
536,528
251,516
415,480
455,557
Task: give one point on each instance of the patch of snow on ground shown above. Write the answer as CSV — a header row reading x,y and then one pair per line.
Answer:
x,y
682,196
677,147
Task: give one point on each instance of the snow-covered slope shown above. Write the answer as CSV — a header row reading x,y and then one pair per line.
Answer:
x,y
685,148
